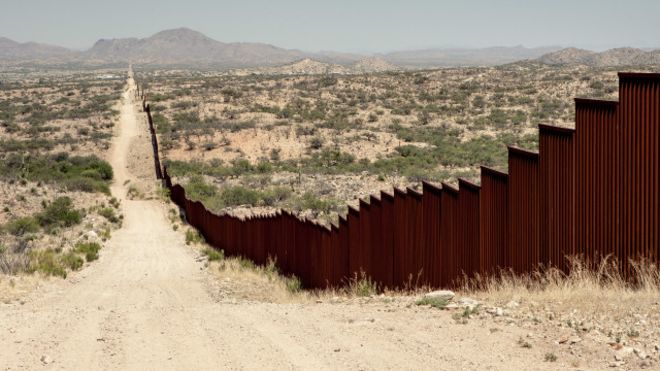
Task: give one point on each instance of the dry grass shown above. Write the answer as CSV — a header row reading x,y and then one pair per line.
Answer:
x,y
583,288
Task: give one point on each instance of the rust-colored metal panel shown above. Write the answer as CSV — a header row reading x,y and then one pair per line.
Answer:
x,y
523,210
431,248
378,264
639,143
400,238
597,178
468,227
557,188
387,230
448,235
413,257
353,241
494,216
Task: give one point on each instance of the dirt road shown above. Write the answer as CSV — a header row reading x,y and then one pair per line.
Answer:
x,y
148,304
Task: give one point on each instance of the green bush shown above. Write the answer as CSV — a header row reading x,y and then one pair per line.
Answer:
x,y
47,262
293,284
89,249
59,213
213,254
22,226
87,174
433,302
109,214
193,237
72,261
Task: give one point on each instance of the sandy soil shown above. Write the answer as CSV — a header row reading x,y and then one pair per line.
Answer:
x,y
149,303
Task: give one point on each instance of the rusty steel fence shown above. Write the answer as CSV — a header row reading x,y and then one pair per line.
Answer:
x,y
592,191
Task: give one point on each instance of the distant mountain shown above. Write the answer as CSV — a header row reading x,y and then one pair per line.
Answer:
x,y
184,46
11,50
608,58
464,57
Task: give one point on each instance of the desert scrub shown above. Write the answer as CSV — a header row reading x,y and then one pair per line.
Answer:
x,y
72,261
21,226
89,249
109,214
293,284
362,285
438,303
59,214
213,254
87,174
47,262
193,237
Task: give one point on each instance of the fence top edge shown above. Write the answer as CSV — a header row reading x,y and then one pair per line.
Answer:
x,y
590,102
552,129
646,76
399,192
464,183
489,171
386,195
517,151
430,187
449,189
414,193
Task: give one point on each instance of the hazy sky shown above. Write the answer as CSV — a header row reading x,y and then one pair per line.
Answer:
x,y
343,25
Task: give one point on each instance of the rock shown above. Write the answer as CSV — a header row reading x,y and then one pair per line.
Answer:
x,y
512,304
46,360
499,312
617,364
467,302
574,339
623,353
440,295
640,353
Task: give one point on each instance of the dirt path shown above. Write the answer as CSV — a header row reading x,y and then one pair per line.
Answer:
x,y
148,304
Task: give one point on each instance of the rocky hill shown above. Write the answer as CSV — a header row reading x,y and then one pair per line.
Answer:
x,y
608,58
11,50
449,57
183,46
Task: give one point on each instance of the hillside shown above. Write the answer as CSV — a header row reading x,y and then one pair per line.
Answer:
x,y
608,58
183,46
464,56
11,50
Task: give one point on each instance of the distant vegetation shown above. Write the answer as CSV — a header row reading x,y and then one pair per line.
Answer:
x,y
79,173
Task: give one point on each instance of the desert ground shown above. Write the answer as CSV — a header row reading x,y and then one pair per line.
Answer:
x,y
157,298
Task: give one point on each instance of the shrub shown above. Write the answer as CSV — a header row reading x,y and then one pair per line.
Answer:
x,y
72,261
47,262
439,303
193,237
293,284
59,213
22,226
109,214
87,174
316,143
89,249
362,285
213,254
